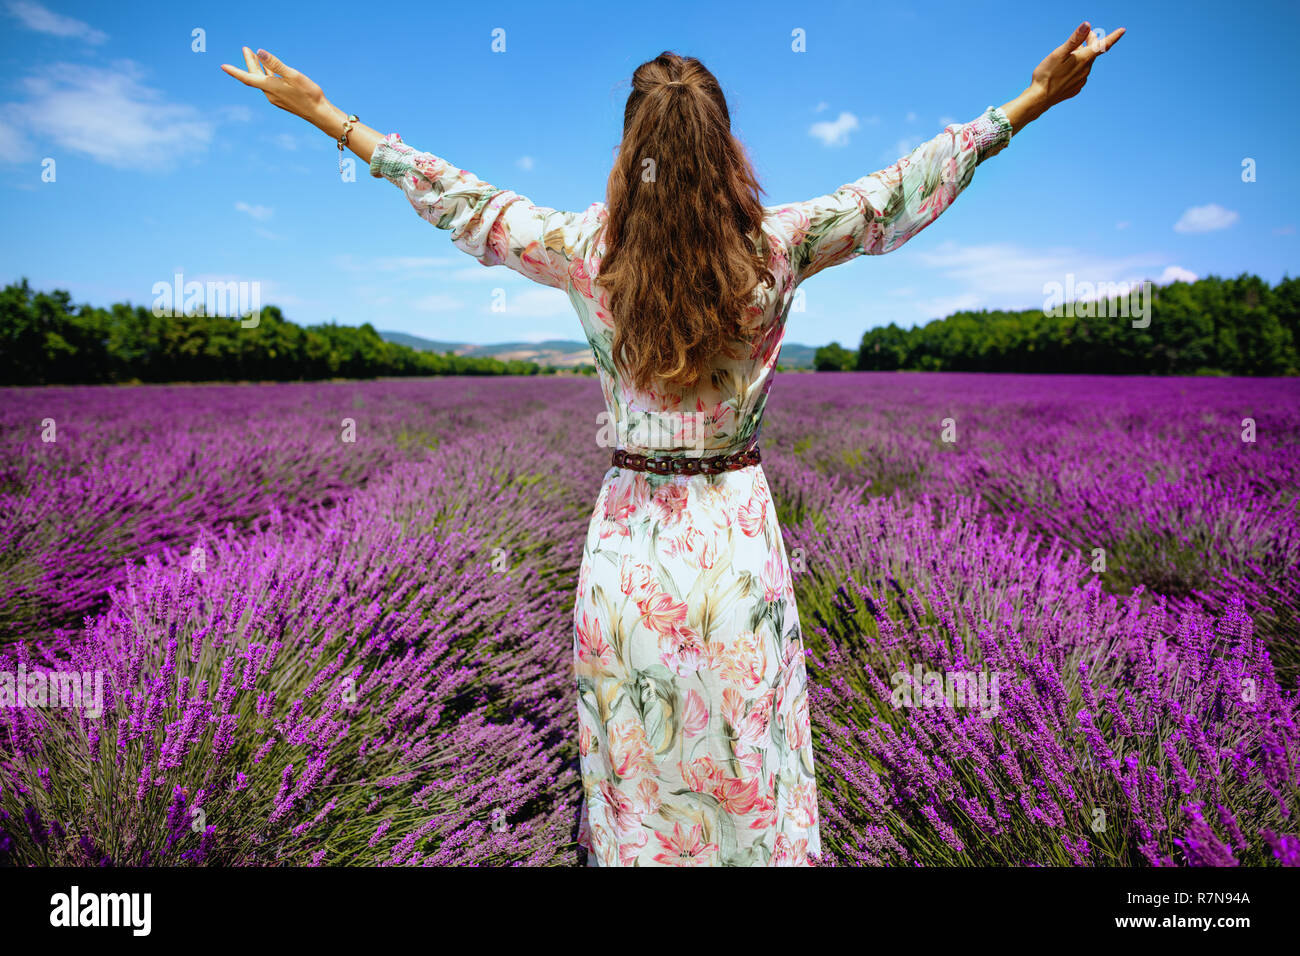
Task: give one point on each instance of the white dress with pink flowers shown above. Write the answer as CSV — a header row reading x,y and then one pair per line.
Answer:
x,y
694,738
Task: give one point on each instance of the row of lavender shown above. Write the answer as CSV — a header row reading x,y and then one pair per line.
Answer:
x,y
948,526
91,478
1187,487
1104,731
373,664
382,681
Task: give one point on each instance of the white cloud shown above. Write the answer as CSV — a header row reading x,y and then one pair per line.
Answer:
x,y
536,302
1176,274
1284,231
285,141
524,162
1006,275
266,233
1123,224
821,106
911,117
946,121
36,17
257,212
1205,219
108,115
939,306
14,146
835,133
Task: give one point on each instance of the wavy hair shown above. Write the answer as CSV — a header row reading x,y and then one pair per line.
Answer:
x,y
683,218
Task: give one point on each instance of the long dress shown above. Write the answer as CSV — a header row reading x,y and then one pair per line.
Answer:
x,y
694,742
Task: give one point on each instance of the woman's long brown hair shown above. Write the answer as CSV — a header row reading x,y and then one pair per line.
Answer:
x,y
683,214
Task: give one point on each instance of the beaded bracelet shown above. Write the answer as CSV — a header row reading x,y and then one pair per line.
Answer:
x,y
343,140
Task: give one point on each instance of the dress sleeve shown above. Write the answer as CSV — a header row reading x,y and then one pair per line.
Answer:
x,y
495,226
882,210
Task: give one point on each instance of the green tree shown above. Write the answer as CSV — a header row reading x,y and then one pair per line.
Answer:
x,y
833,358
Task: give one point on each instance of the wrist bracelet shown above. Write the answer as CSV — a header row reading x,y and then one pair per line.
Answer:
x,y
343,140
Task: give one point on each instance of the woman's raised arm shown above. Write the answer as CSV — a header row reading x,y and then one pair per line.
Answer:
x,y
496,226
881,211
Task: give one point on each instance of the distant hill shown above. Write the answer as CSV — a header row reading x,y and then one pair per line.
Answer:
x,y
417,343
560,353
794,355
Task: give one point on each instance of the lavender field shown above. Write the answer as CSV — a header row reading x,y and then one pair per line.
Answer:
x,y
327,651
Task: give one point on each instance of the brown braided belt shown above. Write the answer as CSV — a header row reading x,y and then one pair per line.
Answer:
x,y
711,465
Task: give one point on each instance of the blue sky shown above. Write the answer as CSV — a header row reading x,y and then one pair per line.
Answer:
x,y
164,164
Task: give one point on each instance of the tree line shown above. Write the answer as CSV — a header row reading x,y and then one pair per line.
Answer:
x,y
46,340
1212,326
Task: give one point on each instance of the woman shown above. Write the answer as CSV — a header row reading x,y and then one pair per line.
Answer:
x,y
694,738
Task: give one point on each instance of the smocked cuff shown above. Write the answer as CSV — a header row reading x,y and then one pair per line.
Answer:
x,y
992,133
388,160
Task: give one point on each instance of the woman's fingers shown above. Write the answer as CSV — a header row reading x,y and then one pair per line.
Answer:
x,y
248,79
1099,43
251,62
1080,35
253,76
284,86
1111,39
275,65
1064,71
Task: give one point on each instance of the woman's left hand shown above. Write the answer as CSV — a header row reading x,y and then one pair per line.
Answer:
x,y
284,86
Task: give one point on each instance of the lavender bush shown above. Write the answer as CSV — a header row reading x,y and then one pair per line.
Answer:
x,y
131,470
356,687
1153,471
1112,724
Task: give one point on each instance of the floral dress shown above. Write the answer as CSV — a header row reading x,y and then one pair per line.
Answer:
x,y
694,739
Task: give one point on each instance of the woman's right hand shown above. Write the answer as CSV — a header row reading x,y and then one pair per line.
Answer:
x,y
1065,70
1060,76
